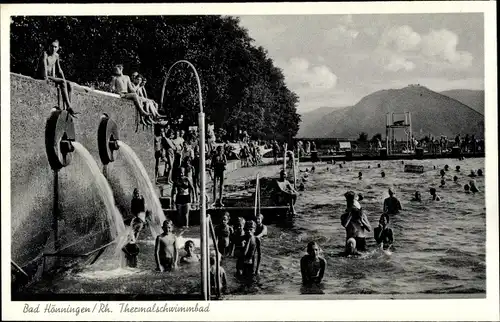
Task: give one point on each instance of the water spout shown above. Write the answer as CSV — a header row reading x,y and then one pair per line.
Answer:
x,y
145,185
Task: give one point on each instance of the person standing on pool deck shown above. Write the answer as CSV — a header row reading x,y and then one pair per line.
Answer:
x,y
219,162
355,221
183,190
392,205
312,266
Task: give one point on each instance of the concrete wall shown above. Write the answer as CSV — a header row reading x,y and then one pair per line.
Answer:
x,y
83,219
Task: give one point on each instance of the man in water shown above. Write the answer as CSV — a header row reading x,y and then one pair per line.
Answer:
x,y
166,253
355,221
312,266
435,196
50,69
391,205
383,234
287,190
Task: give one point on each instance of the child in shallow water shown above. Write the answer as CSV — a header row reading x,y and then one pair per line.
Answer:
x,y
223,233
312,266
190,256
383,234
248,262
166,253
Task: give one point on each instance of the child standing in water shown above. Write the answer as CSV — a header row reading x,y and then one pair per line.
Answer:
x,y
190,256
223,233
260,229
222,276
236,240
166,253
312,266
383,234
249,260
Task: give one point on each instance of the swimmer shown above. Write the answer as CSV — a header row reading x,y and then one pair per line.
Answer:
x,y
457,168
190,256
313,169
467,188
301,186
434,195
355,221
472,174
392,204
378,165
166,253
360,197
446,167
360,175
455,179
344,162
473,187
312,266
417,197
443,183
368,166
223,233
248,262
402,162
383,234
383,174
350,248
434,167
479,173
260,228
442,173
340,166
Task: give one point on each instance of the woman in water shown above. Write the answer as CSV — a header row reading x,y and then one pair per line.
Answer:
x,y
182,189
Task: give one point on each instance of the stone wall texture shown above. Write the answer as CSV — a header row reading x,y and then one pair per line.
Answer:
x,y
83,221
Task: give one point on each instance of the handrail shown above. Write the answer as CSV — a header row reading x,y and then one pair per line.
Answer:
x,y
18,268
284,157
257,196
217,263
58,254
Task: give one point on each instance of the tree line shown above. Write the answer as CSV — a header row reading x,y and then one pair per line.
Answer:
x,y
242,88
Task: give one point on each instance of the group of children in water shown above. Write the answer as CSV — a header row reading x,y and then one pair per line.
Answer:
x,y
241,241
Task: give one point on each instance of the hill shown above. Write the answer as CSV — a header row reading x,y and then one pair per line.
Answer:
x,y
471,98
432,113
308,124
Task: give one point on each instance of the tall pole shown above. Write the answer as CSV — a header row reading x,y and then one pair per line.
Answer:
x,y
55,218
203,210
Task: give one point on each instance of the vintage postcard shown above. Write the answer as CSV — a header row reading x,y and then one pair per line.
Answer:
x,y
300,161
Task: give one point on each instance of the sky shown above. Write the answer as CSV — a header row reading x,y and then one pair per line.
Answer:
x,y
335,60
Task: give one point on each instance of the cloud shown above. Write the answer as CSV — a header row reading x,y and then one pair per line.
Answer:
x,y
299,74
401,39
437,48
397,63
442,44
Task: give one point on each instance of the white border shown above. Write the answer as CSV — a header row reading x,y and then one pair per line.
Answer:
x,y
349,310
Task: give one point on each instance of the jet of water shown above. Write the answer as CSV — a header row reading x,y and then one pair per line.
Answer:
x,y
146,187
114,216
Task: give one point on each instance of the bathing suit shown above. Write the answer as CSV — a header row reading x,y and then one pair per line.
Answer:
x,y
360,243
166,263
182,187
219,164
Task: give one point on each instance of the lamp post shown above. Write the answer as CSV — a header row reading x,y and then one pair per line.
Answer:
x,y
203,210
